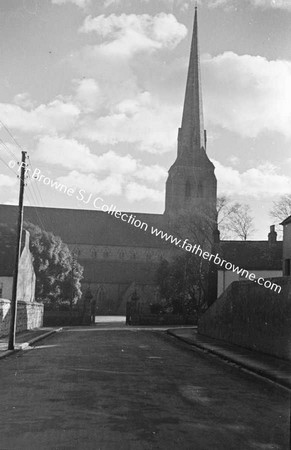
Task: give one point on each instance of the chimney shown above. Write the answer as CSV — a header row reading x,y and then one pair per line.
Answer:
x,y
272,236
216,236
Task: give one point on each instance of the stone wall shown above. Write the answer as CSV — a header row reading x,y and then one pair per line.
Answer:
x,y
252,316
29,316
162,319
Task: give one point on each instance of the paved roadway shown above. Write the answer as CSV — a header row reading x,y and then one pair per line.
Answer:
x,y
96,388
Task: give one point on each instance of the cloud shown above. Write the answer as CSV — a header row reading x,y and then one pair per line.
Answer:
x,y
7,181
152,174
23,99
80,3
110,185
184,5
55,116
71,154
261,181
109,173
143,121
129,34
264,4
274,4
137,192
248,94
88,94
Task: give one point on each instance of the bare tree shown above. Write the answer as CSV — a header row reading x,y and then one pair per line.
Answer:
x,y
281,208
241,222
234,219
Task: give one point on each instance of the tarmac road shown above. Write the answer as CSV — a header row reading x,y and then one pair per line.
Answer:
x,y
91,388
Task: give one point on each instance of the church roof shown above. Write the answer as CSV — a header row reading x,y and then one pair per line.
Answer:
x,y
90,227
252,255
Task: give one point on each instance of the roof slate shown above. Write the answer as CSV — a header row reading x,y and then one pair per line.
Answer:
x,y
252,255
79,226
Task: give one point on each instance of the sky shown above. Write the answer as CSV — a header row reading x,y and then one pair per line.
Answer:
x,y
93,90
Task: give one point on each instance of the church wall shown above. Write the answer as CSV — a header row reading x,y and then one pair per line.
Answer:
x,y
115,277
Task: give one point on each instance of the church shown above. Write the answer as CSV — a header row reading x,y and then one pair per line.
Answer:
x,y
119,257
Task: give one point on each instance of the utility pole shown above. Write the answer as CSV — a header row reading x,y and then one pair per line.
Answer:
x,y
13,307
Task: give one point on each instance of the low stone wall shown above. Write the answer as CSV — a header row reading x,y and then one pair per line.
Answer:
x,y
54,318
29,316
253,317
162,319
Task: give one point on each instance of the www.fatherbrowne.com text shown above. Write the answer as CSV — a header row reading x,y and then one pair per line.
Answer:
x,y
98,203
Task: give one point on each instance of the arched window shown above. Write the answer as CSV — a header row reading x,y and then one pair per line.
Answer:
x,y
188,189
94,253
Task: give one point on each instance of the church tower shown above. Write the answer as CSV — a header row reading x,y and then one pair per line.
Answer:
x,y
191,183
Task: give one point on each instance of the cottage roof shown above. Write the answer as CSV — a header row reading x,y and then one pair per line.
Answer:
x,y
286,221
252,255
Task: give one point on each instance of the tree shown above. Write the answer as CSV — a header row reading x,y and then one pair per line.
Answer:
x,y
58,274
234,219
281,208
182,284
184,281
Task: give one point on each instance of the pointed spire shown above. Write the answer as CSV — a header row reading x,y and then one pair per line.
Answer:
x,y
192,128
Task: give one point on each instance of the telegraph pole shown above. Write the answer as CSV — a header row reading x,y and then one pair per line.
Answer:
x,y
13,308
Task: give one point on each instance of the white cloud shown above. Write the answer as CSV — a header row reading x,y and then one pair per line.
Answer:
x,y
110,185
55,116
88,94
273,4
129,34
7,181
80,3
262,181
144,121
184,5
23,99
152,174
137,192
248,94
71,154
113,184
109,173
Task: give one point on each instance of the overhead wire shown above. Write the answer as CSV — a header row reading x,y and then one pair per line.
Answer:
x,y
30,188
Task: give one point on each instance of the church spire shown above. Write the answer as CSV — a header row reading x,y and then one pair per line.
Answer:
x,y
191,183
191,133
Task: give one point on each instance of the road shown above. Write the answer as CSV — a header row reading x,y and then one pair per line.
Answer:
x,y
97,388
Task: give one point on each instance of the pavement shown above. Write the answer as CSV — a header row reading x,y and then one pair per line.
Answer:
x,y
25,339
271,368
103,389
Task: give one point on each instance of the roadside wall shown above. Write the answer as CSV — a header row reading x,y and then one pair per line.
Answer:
x,y
29,316
252,316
